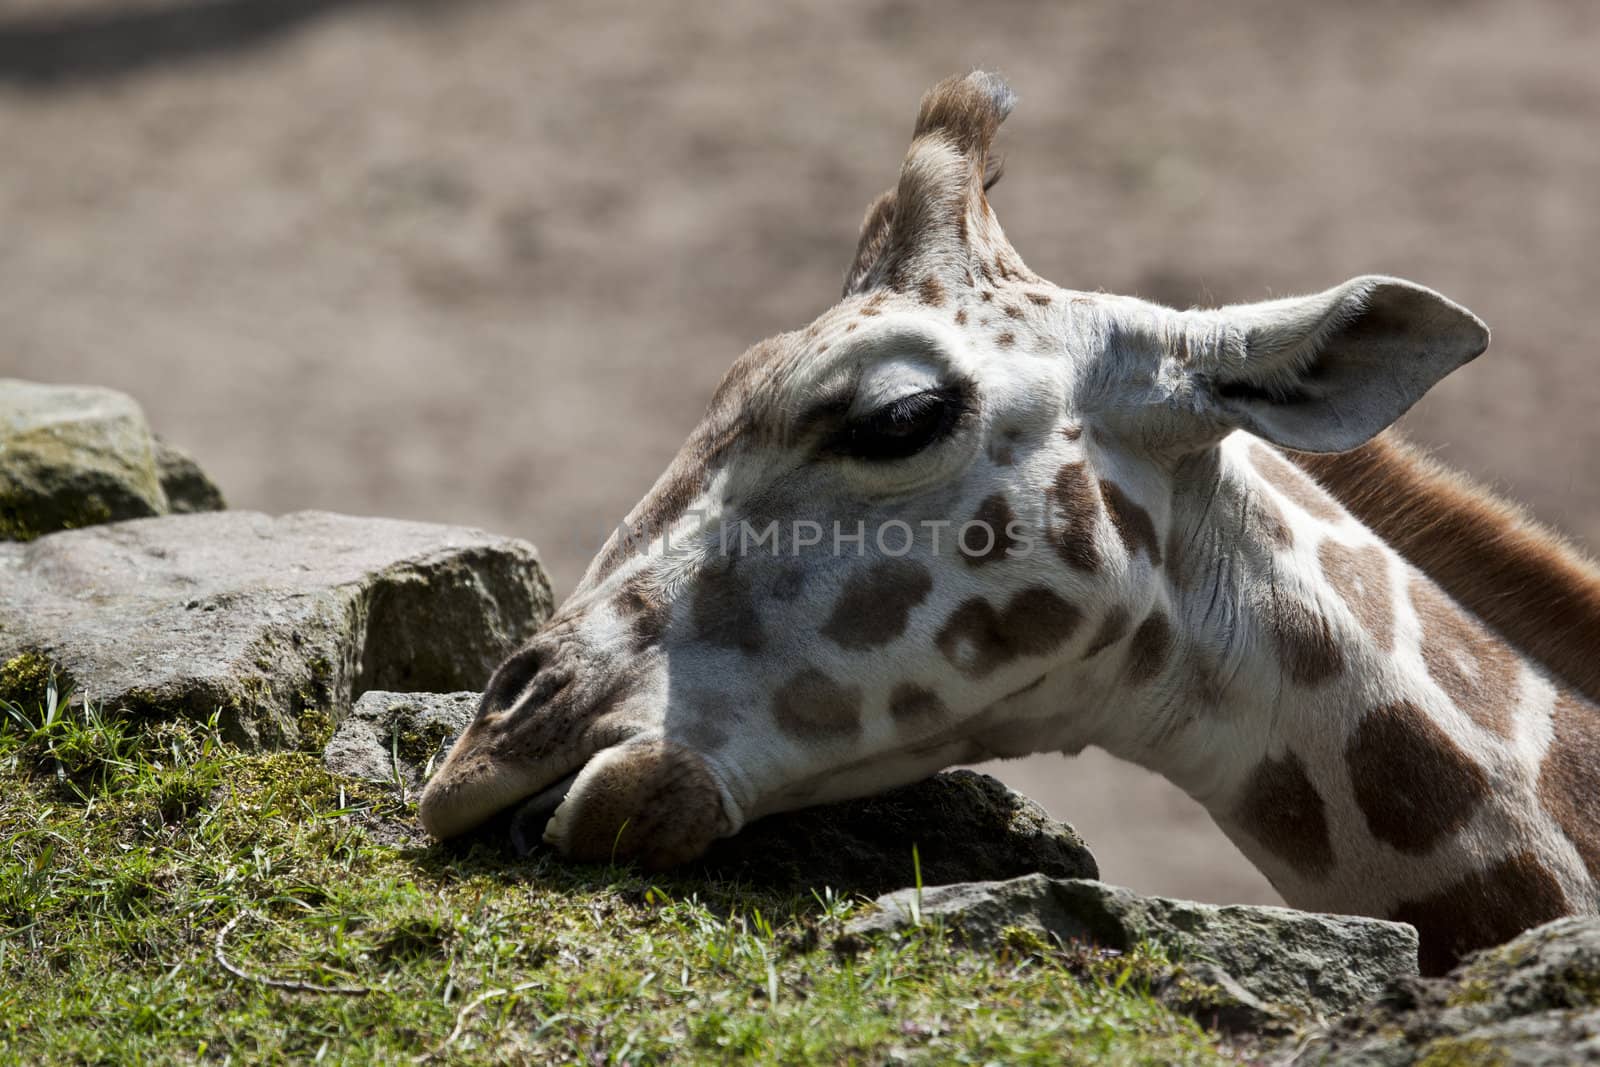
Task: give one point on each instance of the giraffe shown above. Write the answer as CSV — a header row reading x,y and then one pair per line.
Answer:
x,y
982,516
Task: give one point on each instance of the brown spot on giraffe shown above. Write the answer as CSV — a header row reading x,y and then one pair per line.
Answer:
x,y
1361,578
724,614
1478,673
1147,653
1292,483
1006,339
647,611
1281,808
1072,431
978,638
1132,522
1182,350
1266,522
1305,643
1041,299
812,706
931,291
910,703
1012,311
961,316
1206,682
702,732
1569,785
1413,784
788,583
1074,539
1484,908
1114,628
990,539
1175,557
851,328
876,604
987,294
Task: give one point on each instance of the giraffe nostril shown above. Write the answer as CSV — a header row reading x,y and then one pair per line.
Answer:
x,y
510,679
546,686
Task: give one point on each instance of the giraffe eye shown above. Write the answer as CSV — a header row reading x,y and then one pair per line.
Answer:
x,y
901,427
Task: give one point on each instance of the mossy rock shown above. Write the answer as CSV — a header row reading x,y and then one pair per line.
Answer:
x,y
73,456
1247,964
390,737
1535,999
188,488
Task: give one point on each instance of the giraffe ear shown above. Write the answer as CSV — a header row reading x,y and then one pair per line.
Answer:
x,y
1326,373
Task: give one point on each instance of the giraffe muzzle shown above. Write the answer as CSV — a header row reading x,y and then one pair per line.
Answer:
x,y
650,801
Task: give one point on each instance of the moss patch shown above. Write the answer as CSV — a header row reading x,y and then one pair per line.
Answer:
x,y
316,727
419,740
1473,991
1463,1052
25,678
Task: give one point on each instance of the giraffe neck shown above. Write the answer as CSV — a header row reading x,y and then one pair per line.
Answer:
x,y
1369,745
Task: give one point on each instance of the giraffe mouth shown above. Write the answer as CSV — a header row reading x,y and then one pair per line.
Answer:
x,y
529,818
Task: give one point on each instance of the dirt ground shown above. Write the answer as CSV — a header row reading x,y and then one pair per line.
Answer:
x,y
483,261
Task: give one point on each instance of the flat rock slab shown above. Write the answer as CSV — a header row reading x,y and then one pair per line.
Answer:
x,y
1265,964
274,622
392,737
1533,1000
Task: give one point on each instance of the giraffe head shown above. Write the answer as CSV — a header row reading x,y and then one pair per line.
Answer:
x,y
893,525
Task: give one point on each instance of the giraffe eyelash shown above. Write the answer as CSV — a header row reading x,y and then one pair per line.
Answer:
x,y
902,427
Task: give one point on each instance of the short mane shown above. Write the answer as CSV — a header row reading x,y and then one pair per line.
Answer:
x,y
1525,581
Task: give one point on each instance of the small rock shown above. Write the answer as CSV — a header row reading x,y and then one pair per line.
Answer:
x,y
1294,963
965,826
186,486
391,737
1533,1000
72,456
277,622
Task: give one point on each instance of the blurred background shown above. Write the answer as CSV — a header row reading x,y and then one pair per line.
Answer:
x,y
483,261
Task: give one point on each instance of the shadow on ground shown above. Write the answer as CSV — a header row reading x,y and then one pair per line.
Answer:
x,y
109,42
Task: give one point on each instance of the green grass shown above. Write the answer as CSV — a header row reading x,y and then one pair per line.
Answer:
x,y
125,850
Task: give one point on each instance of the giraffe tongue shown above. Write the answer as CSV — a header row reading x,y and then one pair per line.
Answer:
x,y
527,823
